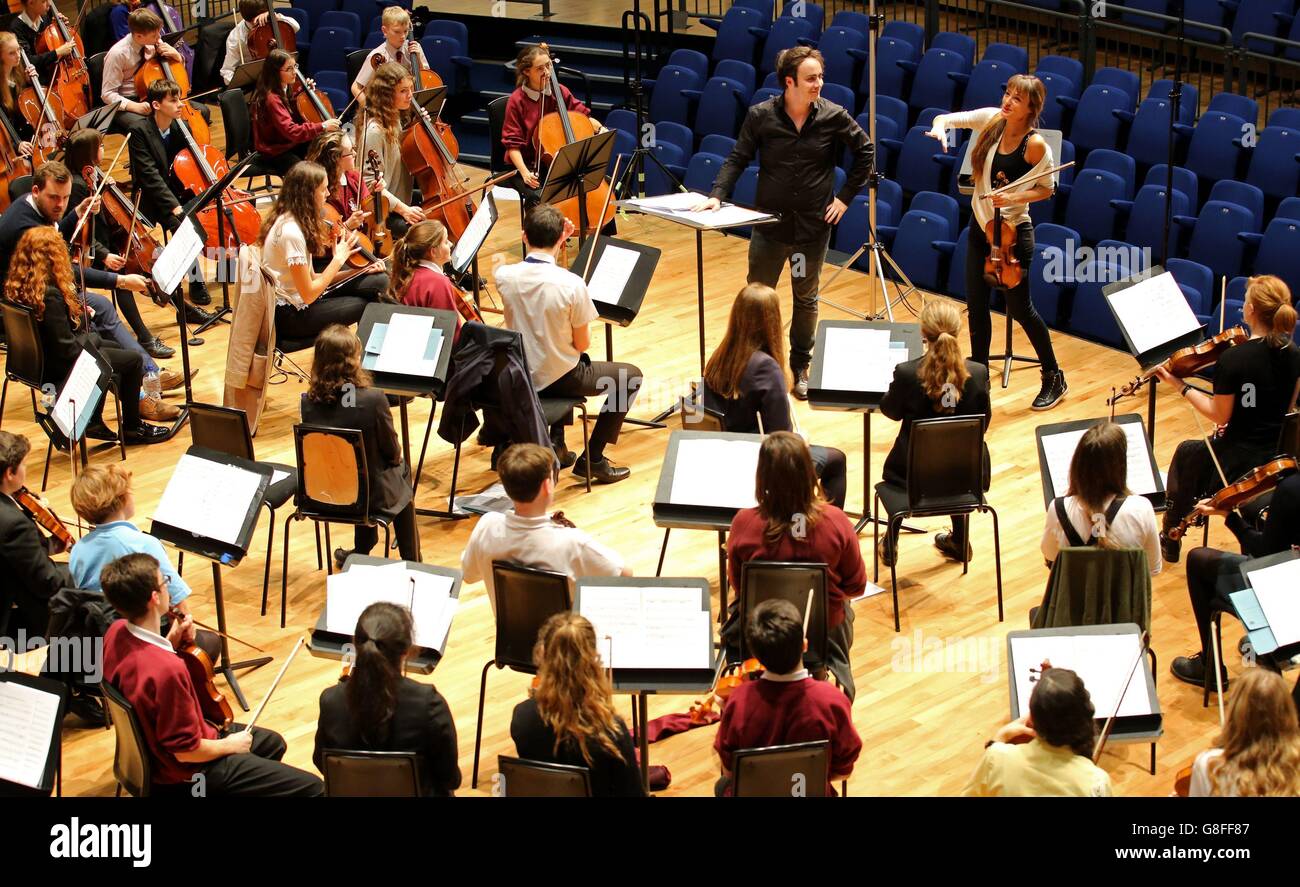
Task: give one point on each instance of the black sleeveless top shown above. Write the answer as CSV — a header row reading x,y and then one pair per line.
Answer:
x,y
1009,167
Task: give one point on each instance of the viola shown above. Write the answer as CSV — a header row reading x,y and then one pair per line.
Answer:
x,y
212,702
1186,362
377,224
433,164
1253,483
71,80
363,256
275,34
1001,267
554,131
199,167
702,711
313,104
159,68
45,518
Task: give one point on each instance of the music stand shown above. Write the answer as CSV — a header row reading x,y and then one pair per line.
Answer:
x,y
465,254
99,119
247,74
1055,472
579,167
432,100
52,773
79,397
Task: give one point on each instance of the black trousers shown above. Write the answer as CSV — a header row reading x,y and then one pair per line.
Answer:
x,y
364,538
260,773
1193,475
343,305
619,381
1019,305
128,373
833,470
530,196
280,164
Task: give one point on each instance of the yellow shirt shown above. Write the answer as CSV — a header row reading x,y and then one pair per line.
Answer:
x,y
1036,769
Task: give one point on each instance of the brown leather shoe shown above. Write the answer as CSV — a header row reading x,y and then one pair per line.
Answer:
x,y
154,410
170,380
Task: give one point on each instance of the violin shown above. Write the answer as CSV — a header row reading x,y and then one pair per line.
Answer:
x,y
1253,483
212,703
377,225
45,518
43,110
71,80
313,104
199,167
702,711
135,241
433,165
1001,267
159,68
363,256
554,131
275,34
558,518
1186,362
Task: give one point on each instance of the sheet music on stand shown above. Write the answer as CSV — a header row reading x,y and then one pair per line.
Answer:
x,y
1153,315
861,359
31,715
480,225
1057,443
1269,606
677,207
428,596
1102,656
178,256
653,632
212,496
621,273
81,393
715,472
408,348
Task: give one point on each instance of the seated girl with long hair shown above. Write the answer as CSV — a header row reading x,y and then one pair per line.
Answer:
x,y
280,133
1257,753
417,277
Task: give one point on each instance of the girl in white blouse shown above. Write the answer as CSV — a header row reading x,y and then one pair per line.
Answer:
x,y
1099,510
294,232
1258,753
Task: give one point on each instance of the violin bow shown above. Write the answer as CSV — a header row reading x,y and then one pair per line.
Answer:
x,y
1144,642
81,13
274,684
1026,179
175,613
609,195
100,187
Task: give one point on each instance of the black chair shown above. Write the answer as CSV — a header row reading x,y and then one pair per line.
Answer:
x,y
496,111
97,34
945,477
525,598
791,581
355,60
20,187
333,487
781,771
25,364
371,774
238,126
95,67
131,765
522,778
225,430
1289,440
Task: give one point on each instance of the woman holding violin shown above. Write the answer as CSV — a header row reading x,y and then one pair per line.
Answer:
x,y
1255,386
280,133
1006,150
1257,753
528,104
307,300
181,740
349,197
375,707
569,717
389,96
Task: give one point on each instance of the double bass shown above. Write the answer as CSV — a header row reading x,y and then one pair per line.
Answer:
x,y
554,131
71,79
275,34
159,68
199,167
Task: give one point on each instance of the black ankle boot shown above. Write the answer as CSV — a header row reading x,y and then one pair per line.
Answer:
x,y
1053,390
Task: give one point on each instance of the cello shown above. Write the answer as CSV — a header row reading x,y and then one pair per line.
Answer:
x,y
274,34
434,168
199,167
160,68
13,164
171,18
313,104
71,78
135,240
555,130
43,110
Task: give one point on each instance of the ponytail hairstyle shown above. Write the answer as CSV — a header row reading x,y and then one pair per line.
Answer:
x,y
382,639
943,364
1273,308
419,244
1099,471
1029,88
1062,712
82,150
573,695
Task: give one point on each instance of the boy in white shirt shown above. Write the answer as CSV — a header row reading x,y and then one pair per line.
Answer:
x,y
252,13
528,536
396,26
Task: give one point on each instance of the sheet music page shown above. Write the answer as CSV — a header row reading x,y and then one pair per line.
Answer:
x,y
426,595
475,233
729,214
177,257
655,627
1103,661
404,346
610,276
860,359
1154,311
27,722
348,593
1058,450
277,475
432,609
678,200
80,394
207,498
1277,588
717,473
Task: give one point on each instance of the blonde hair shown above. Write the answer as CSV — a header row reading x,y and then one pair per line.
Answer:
x,y
100,492
417,246
380,99
1260,740
1272,301
395,15
943,369
1034,92
573,694
10,86
754,325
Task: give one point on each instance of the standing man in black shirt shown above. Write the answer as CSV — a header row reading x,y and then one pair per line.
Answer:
x,y
801,136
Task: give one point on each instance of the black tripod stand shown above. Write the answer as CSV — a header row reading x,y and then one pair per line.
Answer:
x,y
635,169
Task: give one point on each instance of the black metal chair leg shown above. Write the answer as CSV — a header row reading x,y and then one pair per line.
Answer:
x,y
121,431
586,442
893,567
180,566
663,550
284,569
45,476
329,551
266,568
997,556
875,523
478,729
320,565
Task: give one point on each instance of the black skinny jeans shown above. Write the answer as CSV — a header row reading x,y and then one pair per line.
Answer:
x,y
1019,305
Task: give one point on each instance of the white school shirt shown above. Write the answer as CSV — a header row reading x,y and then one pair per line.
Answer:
x,y
284,247
368,69
536,542
544,303
120,66
237,46
1134,527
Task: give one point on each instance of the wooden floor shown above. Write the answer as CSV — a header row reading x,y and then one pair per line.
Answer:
x,y
923,727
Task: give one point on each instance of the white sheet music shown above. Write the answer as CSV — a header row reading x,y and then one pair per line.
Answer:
x,y
679,205
1058,450
79,395
207,498
610,276
1277,588
28,720
656,627
426,595
860,359
405,344
475,233
714,472
177,257
1154,311
277,475
1103,661
674,201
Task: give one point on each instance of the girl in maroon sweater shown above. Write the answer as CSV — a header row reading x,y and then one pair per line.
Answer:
x,y
417,277
280,134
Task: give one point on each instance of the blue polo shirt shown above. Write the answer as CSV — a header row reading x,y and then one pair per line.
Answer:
x,y
107,542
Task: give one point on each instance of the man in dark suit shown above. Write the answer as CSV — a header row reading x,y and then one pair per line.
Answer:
x,y
31,577
153,147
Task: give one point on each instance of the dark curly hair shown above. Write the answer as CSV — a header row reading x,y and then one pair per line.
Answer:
x,y
335,364
1062,711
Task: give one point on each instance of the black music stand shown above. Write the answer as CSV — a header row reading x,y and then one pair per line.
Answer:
x,y
99,119
1059,486
221,553
247,74
431,100
52,775
73,435
579,167
465,255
